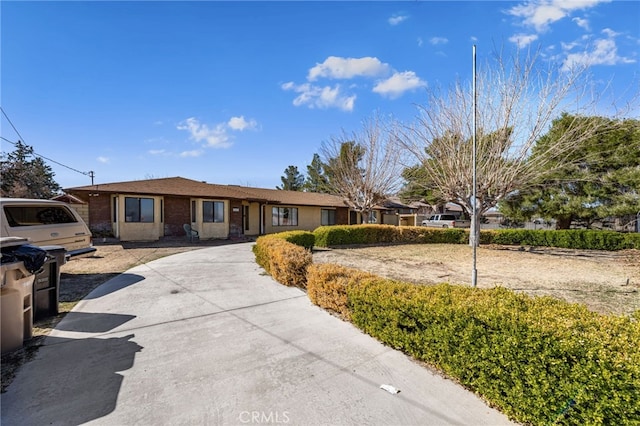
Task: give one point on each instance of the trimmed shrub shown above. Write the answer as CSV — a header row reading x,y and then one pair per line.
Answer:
x,y
541,360
327,286
631,241
331,236
286,262
338,235
572,239
304,239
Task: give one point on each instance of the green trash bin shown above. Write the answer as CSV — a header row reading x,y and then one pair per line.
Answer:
x,y
46,286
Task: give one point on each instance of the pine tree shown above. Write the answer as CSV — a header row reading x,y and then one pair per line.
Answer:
x,y
600,179
25,177
292,180
316,180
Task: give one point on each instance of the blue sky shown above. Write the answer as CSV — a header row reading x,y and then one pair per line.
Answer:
x,y
235,92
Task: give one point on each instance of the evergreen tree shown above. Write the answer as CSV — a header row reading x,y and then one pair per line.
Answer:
x,y
316,180
600,179
292,180
25,177
418,186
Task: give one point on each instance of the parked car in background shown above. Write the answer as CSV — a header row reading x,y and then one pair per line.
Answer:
x,y
446,221
45,223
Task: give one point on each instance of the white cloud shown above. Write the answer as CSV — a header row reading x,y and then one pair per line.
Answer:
x,y
157,151
610,33
321,96
582,23
335,67
523,40
239,123
398,83
103,160
216,137
325,97
397,19
438,40
193,153
542,13
420,42
604,52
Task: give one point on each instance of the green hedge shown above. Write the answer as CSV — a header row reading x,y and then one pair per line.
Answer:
x,y
331,236
541,361
572,239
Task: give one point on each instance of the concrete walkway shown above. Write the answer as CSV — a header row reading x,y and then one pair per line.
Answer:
x,y
207,338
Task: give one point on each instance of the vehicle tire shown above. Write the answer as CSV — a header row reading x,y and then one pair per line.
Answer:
x,y
445,226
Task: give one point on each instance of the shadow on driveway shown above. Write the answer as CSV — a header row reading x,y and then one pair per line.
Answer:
x,y
71,394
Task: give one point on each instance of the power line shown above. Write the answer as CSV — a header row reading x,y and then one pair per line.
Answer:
x,y
14,127
90,174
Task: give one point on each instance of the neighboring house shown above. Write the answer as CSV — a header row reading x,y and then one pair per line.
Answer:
x,y
75,203
147,210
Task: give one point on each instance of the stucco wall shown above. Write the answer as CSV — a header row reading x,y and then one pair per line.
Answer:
x,y
211,230
140,231
309,218
254,219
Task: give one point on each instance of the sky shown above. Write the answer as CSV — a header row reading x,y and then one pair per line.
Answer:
x,y
235,92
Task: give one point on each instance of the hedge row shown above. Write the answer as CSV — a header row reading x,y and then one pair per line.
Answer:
x,y
539,360
285,256
331,236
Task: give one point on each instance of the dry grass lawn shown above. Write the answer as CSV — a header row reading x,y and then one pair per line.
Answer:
x,y
606,282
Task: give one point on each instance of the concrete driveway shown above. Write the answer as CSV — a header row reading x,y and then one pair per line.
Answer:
x,y
207,338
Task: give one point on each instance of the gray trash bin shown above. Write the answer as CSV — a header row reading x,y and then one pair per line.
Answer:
x,y
16,299
46,286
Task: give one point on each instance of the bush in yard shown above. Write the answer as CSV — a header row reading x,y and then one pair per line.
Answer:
x,y
304,239
331,236
327,286
337,235
540,360
286,262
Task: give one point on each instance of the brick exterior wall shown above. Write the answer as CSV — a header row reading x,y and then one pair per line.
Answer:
x,y
235,219
177,212
100,214
342,216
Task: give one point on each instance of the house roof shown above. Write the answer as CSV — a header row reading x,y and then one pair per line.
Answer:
x,y
179,186
68,198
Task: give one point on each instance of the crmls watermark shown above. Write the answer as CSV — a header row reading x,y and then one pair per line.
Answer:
x,y
261,417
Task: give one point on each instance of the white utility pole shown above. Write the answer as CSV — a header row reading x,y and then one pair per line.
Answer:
x,y
474,219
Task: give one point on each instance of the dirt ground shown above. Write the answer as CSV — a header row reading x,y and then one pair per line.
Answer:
x,y
606,282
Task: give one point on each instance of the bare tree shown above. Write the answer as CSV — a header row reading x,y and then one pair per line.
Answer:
x,y
363,166
516,103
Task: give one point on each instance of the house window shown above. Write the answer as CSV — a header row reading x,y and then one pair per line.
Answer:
x,y
213,211
193,211
328,217
373,217
284,216
138,209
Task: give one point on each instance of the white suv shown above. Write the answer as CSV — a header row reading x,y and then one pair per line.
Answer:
x,y
45,223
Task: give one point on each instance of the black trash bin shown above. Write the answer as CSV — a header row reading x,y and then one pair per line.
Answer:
x,y
46,286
